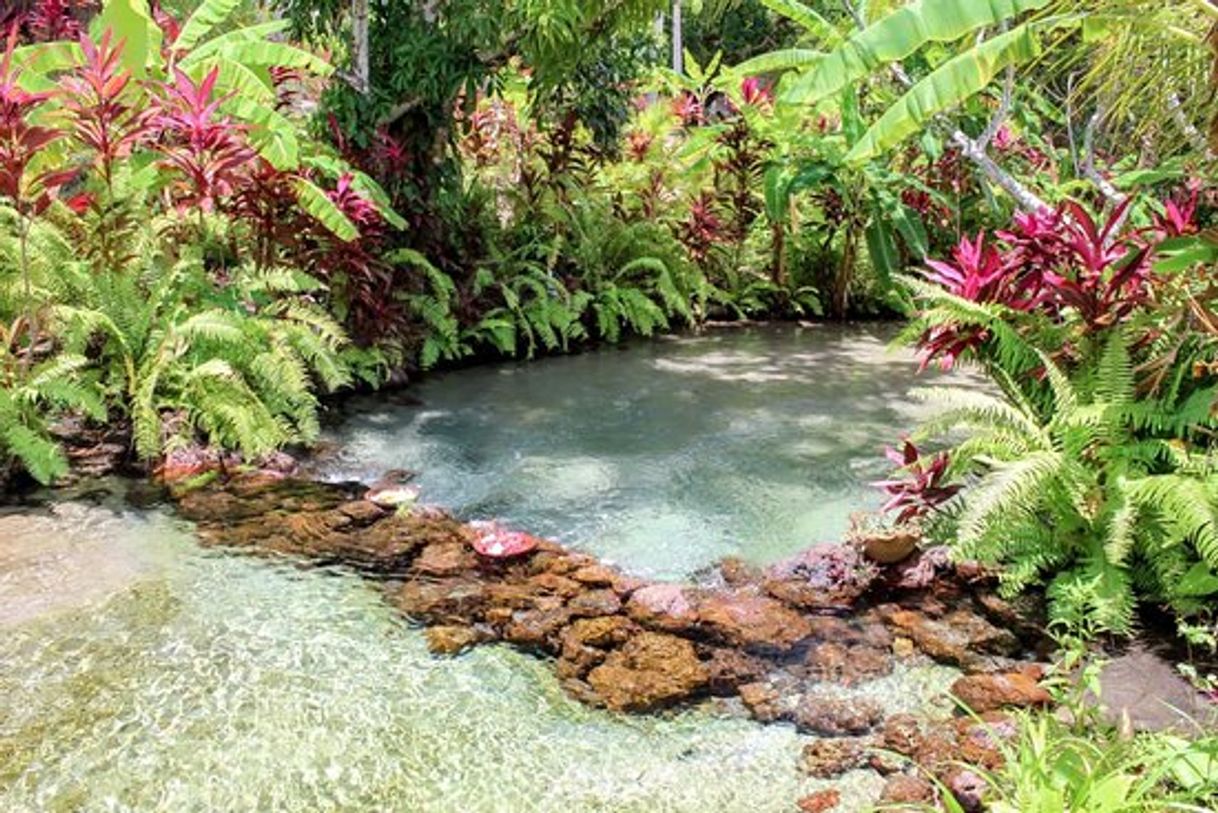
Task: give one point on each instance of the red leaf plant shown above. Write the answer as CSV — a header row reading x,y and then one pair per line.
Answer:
x,y
94,96
207,148
21,141
921,490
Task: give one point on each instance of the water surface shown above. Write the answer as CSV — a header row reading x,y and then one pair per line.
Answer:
x,y
661,456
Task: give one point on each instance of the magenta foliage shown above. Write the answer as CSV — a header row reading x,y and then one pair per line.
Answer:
x,y
688,107
921,490
755,92
93,96
20,141
208,148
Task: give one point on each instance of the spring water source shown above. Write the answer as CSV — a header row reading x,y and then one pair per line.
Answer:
x,y
140,672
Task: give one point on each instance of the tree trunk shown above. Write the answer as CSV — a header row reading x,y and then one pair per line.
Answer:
x,y
678,42
359,46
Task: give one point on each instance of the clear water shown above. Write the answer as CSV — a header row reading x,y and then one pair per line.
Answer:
x,y
192,680
662,456
139,672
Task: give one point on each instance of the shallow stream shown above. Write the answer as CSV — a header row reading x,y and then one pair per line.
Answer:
x,y
141,672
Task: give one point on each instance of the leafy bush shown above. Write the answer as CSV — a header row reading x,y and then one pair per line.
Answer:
x,y
1084,469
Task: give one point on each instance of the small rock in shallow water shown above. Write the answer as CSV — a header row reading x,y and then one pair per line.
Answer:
x,y
831,717
668,607
820,801
830,758
447,639
904,789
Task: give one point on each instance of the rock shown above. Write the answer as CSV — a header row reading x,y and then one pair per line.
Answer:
x,y
1143,692
595,575
667,607
729,669
650,671
830,758
981,740
606,631
902,734
455,600
836,718
968,788
989,692
753,621
904,789
537,628
828,576
847,665
960,638
737,572
362,512
446,639
762,701
594,603
937,750
555,584
889,547
820,801
445,559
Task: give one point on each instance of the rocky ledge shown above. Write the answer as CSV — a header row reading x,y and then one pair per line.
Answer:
x,y
767,640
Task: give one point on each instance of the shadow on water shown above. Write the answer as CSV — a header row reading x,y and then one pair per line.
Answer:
x,y
662,456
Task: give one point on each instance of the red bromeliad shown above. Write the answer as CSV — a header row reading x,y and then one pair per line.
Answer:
x,y
922,490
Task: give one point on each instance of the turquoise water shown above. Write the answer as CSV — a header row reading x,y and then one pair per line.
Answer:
x,y
139,672
662,456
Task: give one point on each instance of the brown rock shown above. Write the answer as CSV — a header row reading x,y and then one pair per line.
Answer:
x,y
667,607
903,734
445,559
650,671
753,621
513,595
847,665
595,602
730,668
536,628
595,575
762,701
362,512
555,584
968,788
830,758
737,572
606,631
820,801
981,740
937,750
961,638
448,639
995,691
904,789
836,718
441,600
828,576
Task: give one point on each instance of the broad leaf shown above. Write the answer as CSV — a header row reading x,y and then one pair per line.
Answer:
x,y
898,35
207,16
319,206
951,84
809,18
784,60
130,22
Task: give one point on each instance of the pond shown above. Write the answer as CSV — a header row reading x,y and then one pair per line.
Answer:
x,y
663,457
139,671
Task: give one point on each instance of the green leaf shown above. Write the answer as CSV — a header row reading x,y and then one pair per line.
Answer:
x,y
319,206
783,60
1197,582
898,35
809,18
951,84
207,16
130,21
883,250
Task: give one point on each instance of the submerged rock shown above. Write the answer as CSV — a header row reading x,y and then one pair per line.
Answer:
x,y
820,801
831,717
961,638
650,671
